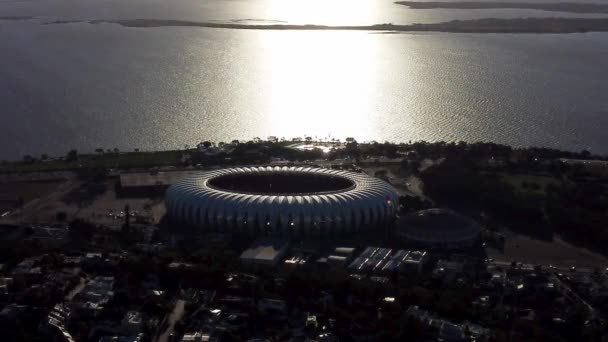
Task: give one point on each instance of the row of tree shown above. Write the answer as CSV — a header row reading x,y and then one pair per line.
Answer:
x,y
576,207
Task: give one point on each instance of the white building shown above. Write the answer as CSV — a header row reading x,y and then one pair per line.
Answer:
x,y
265,252
344,251
337,261
196,337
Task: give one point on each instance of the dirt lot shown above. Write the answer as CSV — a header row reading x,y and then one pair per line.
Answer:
x,y
519,180
14,194
96,202
404,182
557,252
396,177
107,208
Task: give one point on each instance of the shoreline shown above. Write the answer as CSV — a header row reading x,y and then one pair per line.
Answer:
x,y
566,7
116,158
490,25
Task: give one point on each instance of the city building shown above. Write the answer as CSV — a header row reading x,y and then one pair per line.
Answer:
x,y
378,260
273,306
265,252
134,338
282,201
414,261
94,296
196,337
347,252
132,322
337,261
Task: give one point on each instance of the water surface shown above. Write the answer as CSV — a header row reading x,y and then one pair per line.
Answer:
x,y
86,86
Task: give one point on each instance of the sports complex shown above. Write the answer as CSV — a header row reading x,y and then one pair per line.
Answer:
x,y
282,201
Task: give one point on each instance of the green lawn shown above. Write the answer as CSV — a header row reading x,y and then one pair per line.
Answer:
x,y
27,191
108,160
520,180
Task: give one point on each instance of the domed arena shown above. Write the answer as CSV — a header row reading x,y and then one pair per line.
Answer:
x,y
282,201
439,228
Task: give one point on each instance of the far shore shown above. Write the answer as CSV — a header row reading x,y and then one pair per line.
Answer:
x,y
491,25
571,7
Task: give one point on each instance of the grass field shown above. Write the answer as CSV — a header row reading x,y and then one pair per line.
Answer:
x,y
520,181
24,192
557,252
108,160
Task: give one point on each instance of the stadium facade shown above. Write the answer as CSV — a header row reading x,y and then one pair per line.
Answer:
x,y
281,201
439,229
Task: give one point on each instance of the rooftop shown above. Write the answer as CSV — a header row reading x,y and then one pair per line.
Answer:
x,y
438,219
280,182
265,249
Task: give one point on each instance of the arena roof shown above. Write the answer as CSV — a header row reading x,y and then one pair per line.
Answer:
x,y
438,226
282,200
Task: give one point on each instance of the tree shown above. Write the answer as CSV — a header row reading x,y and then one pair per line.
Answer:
x,y
27,158
99,150
207,144
351,144
116,150
414,166
44,156
136,150
235,142
72,155
61,216
81,229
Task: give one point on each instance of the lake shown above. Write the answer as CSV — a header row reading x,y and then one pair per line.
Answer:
x,y
86,85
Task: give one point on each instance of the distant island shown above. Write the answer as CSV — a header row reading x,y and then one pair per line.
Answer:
x,y
571,7
490,25
14,18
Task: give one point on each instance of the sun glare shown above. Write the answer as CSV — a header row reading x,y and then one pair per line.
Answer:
x,y
325,12
320,82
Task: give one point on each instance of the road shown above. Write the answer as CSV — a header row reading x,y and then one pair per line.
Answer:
x,y
76,290
554,276
558,269
174,316
570,292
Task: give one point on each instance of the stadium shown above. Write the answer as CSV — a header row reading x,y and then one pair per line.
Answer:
x,y
282,201
439,229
